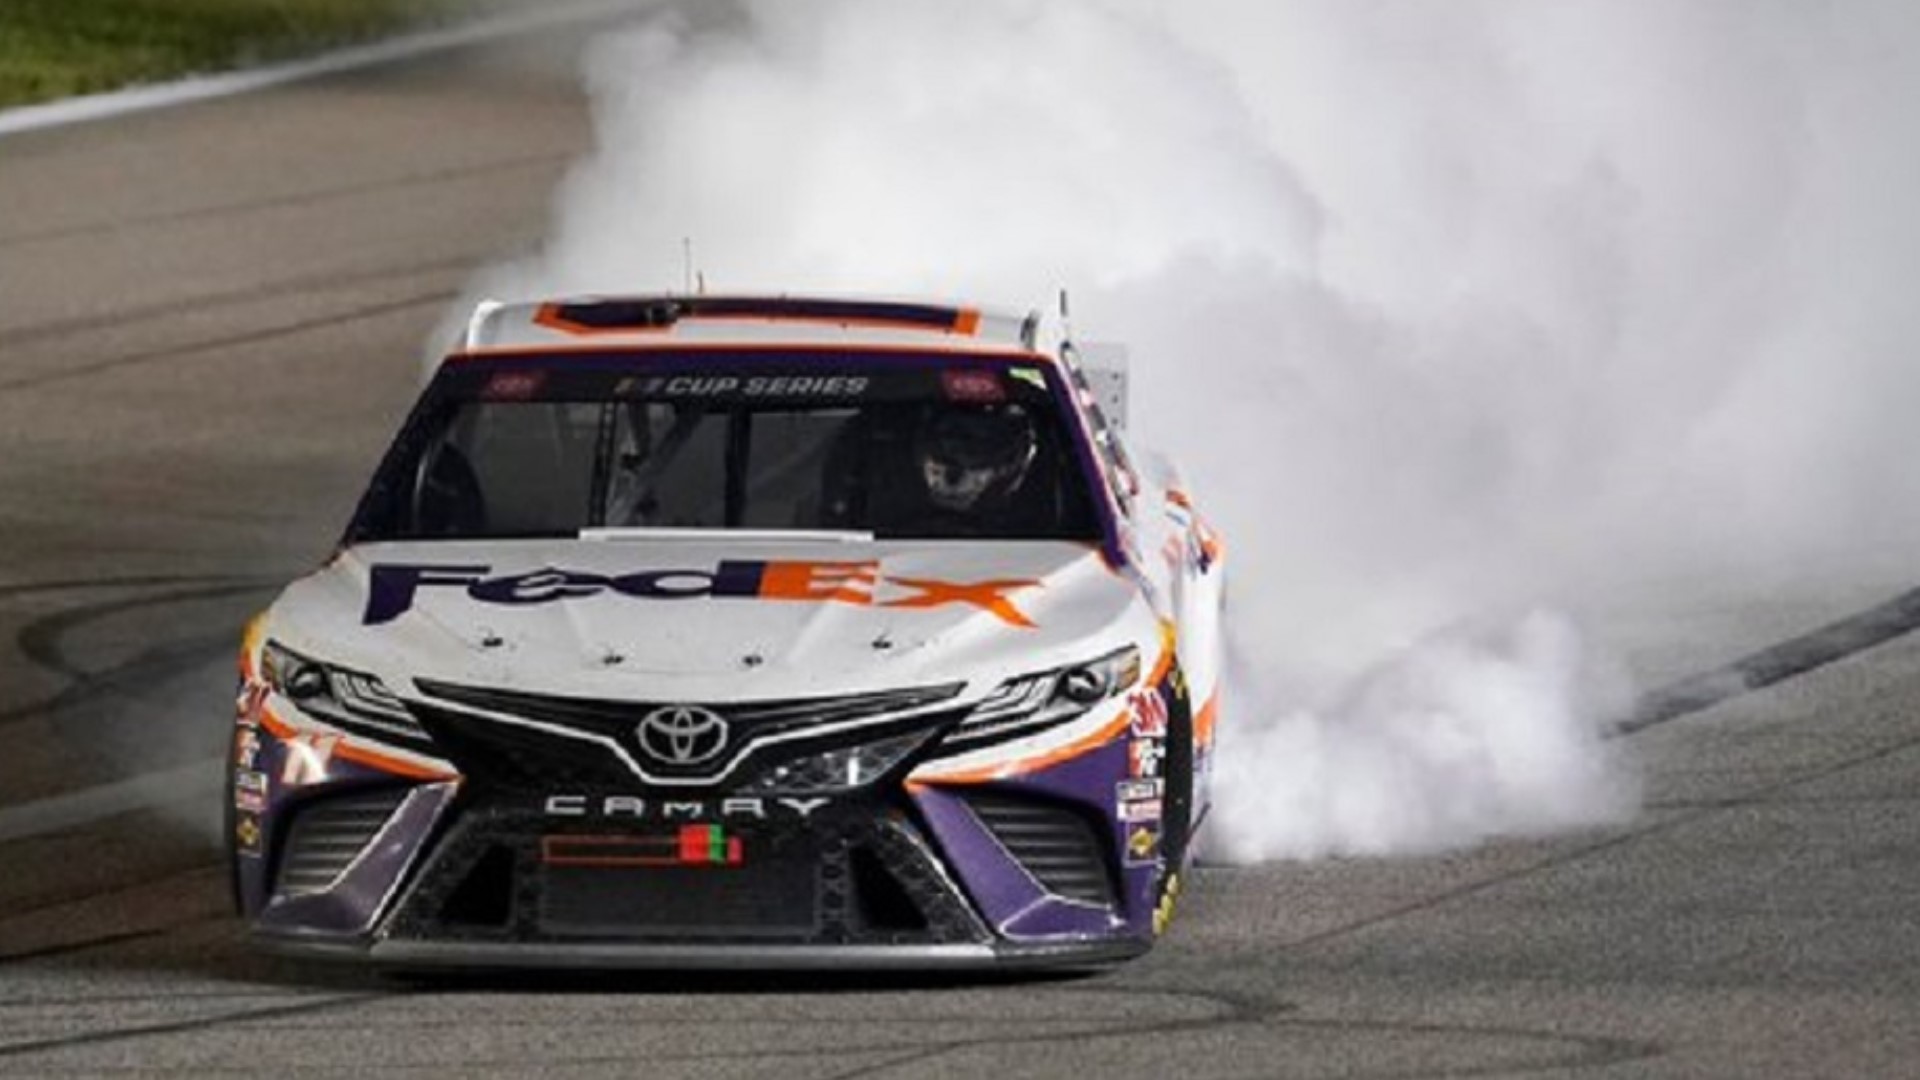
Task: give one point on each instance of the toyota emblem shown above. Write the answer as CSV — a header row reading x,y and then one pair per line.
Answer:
x,y
682,734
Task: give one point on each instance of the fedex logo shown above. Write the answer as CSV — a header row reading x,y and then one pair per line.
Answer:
x,y
393,586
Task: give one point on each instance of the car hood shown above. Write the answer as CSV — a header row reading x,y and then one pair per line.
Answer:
x,y
660,618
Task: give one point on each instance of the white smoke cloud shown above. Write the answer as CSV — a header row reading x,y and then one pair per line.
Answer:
x,y
1449,310
1464,737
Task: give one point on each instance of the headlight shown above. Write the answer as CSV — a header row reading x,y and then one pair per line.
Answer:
x,y
351,700
843,769
1029,703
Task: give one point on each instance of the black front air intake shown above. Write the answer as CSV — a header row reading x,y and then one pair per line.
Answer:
x,y
1058,844
328,834
856,875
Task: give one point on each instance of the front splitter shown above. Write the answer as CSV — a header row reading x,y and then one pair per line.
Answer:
x,y
614,956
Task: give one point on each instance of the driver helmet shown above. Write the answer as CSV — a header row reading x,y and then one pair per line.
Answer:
x,y
974,458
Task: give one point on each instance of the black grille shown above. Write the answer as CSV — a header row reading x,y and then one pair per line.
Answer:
x,y
775,894
511,755
1057,844
860,875
506,756
328,835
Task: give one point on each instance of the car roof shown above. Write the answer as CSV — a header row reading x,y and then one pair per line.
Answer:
x,y
619,323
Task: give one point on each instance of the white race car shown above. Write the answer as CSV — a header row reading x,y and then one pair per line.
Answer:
x,y
757,631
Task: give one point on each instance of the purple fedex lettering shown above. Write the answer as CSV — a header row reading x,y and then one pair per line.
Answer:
x,y
390,586
728,579
536,587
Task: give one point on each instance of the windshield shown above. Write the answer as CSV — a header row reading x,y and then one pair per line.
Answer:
x,y
922,450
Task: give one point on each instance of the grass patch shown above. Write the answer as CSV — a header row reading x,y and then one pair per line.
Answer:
x,y
58,48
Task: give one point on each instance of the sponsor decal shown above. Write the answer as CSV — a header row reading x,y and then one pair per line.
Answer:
x,y
1130,790
1169,897
691,845
393,586
1149,711
306,758
1143,844
251,801
982,387
246,747
249,780
1145,757
638,808
1140,810
247,834
514,386
759,386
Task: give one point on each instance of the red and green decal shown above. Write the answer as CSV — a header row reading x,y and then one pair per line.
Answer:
x,y
692,845
708,845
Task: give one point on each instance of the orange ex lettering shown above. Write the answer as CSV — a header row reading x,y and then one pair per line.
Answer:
x,y
846,582
854,583
985,595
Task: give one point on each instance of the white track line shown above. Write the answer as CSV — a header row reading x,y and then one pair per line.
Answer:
x,y
140,98
199,782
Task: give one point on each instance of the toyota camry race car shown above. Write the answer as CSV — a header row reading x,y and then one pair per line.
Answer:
x,y
736,631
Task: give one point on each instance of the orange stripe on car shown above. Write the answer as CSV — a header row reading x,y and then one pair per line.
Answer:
x,y
1108,732
251,639
1020,767
1165,663
551,317
358,754
1204,721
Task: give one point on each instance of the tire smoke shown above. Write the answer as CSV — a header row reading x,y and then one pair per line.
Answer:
x,y
1455,314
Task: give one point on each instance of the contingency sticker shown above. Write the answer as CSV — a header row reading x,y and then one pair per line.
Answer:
x,y
246,747
1143,844
247,834
1145,758
1149,714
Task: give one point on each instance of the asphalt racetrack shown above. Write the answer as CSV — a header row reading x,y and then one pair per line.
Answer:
x,y
209,324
